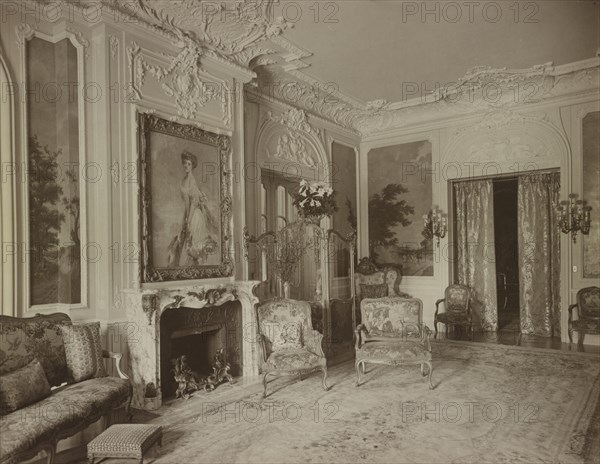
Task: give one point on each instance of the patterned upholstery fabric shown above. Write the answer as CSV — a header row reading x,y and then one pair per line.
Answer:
x,y
457,309
83,351
124,441
306,358
394,353
457,299
383,335
67,408
588,325
367,273
23,386
284,337
452,318
391,317
39,337
588,300
374,291
281,312
291,360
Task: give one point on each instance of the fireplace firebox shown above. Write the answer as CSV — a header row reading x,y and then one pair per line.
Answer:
x,y
199,335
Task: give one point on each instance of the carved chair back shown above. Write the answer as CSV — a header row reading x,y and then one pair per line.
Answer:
x,y
458,299
373,278
392,317
284,324
588,302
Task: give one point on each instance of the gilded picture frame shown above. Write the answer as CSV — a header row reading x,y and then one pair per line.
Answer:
x,y
185,201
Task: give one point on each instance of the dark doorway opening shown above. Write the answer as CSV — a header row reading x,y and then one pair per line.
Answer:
x,y
507,252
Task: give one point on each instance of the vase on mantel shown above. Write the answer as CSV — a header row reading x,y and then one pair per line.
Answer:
x,y
286,290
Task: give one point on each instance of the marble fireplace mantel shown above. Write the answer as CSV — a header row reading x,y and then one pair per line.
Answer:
x,y
144,310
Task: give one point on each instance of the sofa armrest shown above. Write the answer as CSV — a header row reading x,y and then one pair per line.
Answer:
x,y
117,357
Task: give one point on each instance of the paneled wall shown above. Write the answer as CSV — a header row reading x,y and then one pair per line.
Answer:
x,y
127,69
495,141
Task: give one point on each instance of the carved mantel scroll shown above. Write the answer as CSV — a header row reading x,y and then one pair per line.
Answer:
x,y
144,310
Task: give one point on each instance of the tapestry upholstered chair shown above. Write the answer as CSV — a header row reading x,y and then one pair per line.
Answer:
x,y
457,302
588,314
289,344
392,333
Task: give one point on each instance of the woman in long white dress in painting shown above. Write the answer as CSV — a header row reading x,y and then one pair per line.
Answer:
x,y
196,240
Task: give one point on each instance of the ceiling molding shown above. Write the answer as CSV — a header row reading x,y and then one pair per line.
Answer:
x,y
247,37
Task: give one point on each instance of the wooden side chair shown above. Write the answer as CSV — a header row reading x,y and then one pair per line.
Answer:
x,y
289,344
392,333
457,302
588,315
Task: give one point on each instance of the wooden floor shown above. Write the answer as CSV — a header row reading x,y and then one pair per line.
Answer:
x,y
511,336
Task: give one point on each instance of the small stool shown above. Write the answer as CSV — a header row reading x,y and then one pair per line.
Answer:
x,y
125,441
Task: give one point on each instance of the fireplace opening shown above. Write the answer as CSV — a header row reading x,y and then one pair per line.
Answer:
x,y
198,334
199,345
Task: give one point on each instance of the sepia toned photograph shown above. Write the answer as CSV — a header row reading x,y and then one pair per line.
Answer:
x,y
300,232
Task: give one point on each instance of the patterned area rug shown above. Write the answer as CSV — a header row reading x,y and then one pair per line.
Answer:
x,y
491,404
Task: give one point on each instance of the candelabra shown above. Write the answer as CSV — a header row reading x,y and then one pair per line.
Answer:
x,y
435,225
574,216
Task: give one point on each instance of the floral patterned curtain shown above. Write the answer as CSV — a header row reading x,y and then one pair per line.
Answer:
x,y
476,257
539,254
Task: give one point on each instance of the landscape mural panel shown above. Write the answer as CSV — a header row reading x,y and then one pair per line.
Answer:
x,y
400,193
54,172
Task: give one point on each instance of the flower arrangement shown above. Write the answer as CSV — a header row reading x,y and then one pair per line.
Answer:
x,y
289,249
314,199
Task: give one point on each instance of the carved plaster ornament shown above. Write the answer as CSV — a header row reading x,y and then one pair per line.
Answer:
x,y
291,145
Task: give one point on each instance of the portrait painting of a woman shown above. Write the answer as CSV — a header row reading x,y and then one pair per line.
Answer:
x,y
198,229
185,195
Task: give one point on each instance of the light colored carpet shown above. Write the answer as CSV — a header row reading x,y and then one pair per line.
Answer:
x,y
491,404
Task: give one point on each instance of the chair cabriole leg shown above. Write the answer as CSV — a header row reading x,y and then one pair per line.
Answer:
x,y
265,384
325,387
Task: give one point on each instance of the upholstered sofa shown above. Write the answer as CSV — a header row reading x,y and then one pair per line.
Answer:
x,y
68,407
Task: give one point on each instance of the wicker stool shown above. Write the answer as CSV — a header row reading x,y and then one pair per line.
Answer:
x,y
126,441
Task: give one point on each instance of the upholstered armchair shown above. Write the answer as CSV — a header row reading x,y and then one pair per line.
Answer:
x,y
289,344
457,302
588,314
392,333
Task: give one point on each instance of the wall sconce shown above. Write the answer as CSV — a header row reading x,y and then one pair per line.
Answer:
x,y
435,225
574,216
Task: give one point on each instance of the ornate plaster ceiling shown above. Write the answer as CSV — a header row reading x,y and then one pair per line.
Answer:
x,y
388,49
365,64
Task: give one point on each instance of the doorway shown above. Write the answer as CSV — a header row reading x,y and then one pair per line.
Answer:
x,y
517,286
507,252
